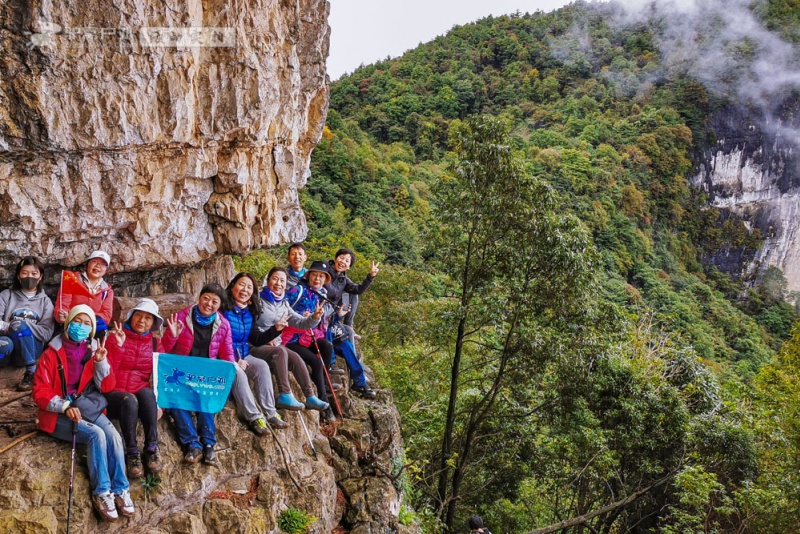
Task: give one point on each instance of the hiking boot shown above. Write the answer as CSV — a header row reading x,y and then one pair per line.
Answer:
x,y
313,403
26,384
333,370
152,460
277,423
286,401
209,457
104,504
133,465
328,416
258,426
124,503
192,456
364,391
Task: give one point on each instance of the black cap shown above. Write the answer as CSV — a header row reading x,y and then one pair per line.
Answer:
x,y
322,267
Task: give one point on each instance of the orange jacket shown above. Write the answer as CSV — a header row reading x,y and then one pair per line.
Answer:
x,y
102,302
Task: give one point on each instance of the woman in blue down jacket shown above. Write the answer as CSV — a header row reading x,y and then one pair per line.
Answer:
x,y
242,308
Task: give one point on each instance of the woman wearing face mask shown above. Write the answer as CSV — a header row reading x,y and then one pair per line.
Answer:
x,y
130,352
26,319
68,388
94,291
241,310
276,314
201,331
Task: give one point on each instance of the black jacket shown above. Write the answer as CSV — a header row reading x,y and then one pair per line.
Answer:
x,y
340,284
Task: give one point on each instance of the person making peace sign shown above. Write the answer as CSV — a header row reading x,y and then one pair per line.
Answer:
x,y
68,388
130,353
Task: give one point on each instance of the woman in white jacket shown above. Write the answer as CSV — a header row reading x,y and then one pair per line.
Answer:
x,y
276,313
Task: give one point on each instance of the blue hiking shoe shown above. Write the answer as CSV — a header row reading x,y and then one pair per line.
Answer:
x,y
286,401
313,403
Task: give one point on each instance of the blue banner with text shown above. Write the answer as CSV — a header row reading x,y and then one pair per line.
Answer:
x,y
191,383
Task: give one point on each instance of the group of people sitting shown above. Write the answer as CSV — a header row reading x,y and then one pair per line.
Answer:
x,y
97,369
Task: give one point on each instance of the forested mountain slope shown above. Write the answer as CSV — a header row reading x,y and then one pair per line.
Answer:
x,y
547,319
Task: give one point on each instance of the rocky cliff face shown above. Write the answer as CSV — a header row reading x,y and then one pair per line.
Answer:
x,y
350,486
167,134
173,135
754,172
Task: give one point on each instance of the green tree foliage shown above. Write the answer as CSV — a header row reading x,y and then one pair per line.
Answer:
x,y
516,402
515,263
772,503
588,120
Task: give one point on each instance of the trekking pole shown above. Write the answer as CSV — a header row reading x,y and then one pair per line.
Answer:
x,y
302,420
72,473
327,376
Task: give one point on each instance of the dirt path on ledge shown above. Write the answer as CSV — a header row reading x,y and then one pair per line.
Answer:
x,y
17,410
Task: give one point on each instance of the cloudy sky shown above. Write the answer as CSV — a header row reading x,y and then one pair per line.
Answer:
x,y
364,31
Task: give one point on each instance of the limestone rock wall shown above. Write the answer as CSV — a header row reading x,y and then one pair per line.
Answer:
x,y
166,133
753,171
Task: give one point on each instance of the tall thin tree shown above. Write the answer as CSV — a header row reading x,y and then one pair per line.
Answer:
x,y
513,258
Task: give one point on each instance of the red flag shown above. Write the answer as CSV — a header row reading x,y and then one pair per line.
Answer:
x,y
71,284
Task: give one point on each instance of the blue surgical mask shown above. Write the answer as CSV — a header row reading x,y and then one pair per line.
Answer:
x,y
78,332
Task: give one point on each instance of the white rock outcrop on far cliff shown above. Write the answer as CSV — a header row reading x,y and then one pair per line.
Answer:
x,y
753,172
166,134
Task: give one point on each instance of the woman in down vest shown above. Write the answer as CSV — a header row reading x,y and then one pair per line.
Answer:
x,y
241,309
131,355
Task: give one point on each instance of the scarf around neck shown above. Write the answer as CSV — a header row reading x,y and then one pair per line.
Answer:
x,y
298,274
201,319
267,295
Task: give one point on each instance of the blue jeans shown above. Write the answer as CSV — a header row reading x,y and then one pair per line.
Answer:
x,y
345,348
190,436
21,352
105,454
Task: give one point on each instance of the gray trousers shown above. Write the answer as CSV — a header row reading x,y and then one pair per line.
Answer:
x,y
283,361
248,400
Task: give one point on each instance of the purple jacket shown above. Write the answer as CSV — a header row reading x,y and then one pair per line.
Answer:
x,y
221,346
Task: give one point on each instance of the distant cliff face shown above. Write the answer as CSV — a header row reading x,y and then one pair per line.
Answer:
x,y
167,135
754,171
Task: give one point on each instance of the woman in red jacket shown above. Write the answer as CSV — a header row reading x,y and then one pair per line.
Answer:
x,y
131,357
68,388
